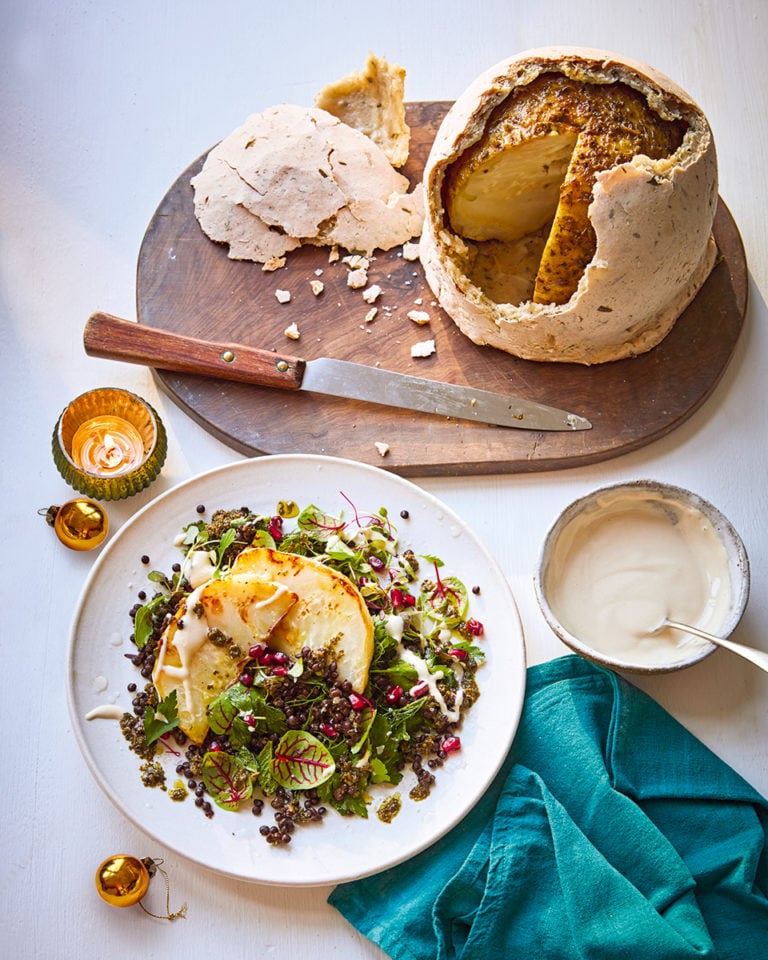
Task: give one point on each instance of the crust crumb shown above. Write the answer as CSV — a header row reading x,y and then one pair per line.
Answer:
x,y
424,348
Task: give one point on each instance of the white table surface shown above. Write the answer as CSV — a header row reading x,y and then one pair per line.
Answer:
x,y
102,104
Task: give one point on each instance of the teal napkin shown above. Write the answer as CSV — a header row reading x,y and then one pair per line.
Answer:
x,y
610,832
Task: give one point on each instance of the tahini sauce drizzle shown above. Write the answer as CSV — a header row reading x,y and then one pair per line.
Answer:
x,y
106,711
395,626
187,642
198,567
191,639
619,569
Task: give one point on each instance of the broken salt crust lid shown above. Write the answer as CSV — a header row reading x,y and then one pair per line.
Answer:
x,y
293,175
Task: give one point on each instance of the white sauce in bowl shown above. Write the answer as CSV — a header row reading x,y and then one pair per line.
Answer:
x,y
627,561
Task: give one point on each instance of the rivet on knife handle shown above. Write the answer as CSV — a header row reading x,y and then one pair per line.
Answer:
x,y
115,339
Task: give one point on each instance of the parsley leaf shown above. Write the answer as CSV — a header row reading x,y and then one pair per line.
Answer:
x,y
155,726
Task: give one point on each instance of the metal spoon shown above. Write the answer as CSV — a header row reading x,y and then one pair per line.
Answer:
x,y
758,657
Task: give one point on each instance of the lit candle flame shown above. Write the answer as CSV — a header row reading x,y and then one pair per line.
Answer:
x,y
107,446
111,454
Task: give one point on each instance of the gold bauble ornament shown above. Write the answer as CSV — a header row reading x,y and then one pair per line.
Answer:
x,y
80,524
122,880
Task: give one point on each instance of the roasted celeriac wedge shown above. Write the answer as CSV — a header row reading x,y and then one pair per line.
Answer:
x,y
203,648
329,611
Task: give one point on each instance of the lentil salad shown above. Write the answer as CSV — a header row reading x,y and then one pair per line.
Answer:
x,y
289,733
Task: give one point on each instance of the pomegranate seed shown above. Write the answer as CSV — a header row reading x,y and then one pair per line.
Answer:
x,y
214,747
279,657
357,702
280,672
451,744
458,654
420,690
377,564
394,695
401,599
328,729
249,719
266,658
475,628
246,679
275,528
256,651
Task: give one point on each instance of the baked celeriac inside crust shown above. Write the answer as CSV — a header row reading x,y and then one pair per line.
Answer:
x,y
570,200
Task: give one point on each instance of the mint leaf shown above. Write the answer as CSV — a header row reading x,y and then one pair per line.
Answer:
x,y
265,716
154,726
225,716
239,710
267,782
248,760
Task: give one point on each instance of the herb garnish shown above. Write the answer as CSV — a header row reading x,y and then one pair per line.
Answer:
x,y
162,719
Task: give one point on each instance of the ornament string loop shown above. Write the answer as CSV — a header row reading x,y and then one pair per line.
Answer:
x,y
153,866
123,880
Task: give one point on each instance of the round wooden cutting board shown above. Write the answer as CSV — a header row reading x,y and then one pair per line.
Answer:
x,y
186,284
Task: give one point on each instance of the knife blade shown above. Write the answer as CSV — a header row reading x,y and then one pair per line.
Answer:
x,y
112,338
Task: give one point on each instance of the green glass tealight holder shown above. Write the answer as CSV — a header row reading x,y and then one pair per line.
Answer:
x,y
109,444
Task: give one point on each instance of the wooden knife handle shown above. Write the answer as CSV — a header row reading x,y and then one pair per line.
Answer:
x,y
115,339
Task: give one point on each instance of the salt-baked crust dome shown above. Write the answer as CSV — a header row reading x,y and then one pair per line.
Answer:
x,y
652,221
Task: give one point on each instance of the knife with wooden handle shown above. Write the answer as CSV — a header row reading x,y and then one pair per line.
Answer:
x,y
115,339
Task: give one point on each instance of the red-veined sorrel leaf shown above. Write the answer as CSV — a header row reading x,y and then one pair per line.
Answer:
x,y
301,762
226,779
222,714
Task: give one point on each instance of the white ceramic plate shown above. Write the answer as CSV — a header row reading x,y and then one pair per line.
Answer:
x,y
340,848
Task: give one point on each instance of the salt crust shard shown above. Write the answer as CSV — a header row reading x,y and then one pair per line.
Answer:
x,y
295,175
373,102
424,348
652,219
